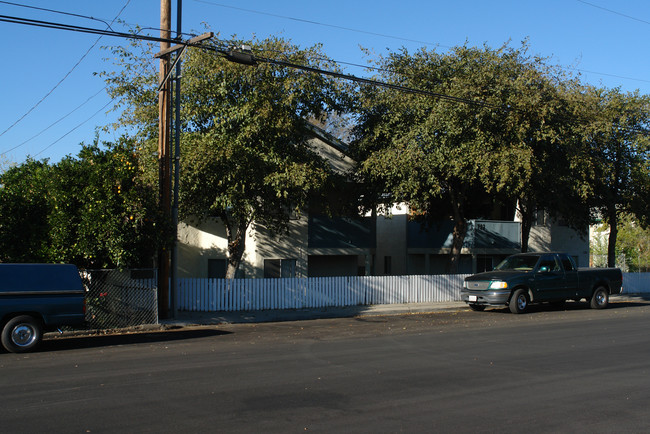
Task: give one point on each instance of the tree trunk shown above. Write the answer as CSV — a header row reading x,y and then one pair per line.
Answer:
x,y
459,232
527,212
613,233
236,233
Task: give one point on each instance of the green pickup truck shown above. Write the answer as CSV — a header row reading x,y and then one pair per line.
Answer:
x,y
540,277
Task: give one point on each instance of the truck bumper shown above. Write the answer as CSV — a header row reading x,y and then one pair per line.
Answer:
x,y
488,297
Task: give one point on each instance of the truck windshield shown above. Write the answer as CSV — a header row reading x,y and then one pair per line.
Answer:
x,y
519,263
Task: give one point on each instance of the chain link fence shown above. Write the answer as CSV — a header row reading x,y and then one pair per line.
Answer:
x,y
118,299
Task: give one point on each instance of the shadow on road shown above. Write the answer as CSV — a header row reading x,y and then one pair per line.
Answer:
x,y
94,341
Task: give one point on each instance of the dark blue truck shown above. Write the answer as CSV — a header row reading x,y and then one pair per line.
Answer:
x,y
540,277
35,298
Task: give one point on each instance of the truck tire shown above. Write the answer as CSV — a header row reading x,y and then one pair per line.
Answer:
x,y
21,334
600,298
519,301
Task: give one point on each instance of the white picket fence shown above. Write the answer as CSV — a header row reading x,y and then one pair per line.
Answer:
x,y
636,283
211,295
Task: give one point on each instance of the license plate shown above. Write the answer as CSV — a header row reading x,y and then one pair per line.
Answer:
x,y
473,298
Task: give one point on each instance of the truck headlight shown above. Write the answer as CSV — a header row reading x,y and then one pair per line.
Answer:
x,y
499,285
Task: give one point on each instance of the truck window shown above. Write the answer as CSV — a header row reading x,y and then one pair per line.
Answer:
x,y
550,263
567,263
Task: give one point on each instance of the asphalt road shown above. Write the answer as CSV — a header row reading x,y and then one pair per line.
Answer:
x,y
571,370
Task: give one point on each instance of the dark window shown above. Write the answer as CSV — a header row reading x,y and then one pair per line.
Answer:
x,y
567,263
217,268
484,263
276,268
388,265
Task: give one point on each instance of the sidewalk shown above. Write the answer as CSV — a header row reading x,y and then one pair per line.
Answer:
x,y
208,318
211,318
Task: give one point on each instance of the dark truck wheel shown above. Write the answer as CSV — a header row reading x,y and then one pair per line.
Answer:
x,y
519,301
600,298
21,334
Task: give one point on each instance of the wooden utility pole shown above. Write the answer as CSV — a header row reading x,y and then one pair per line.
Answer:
x,y
164,132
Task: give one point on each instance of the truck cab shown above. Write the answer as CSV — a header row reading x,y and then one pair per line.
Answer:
x,y
35,298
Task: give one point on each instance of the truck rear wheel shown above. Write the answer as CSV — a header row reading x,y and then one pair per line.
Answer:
x,y
519,301
600,298
21,334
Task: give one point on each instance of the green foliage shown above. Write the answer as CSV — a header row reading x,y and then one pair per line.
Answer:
x,y
423,148
518,130
243,153
632,245
93,210
24,209
617,149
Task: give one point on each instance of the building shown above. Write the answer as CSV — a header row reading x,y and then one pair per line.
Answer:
x,y
318,245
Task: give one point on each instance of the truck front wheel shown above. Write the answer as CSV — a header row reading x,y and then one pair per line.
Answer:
x,y
519,301
21,334
600,298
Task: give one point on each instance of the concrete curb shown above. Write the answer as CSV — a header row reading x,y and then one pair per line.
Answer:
x,y
189,319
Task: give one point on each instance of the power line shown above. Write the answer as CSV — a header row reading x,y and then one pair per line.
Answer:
x,y
249,59
235,56
60,12
614,12
82,29
85,16
317,23
55,122
253,11
73,129
66,75
610,75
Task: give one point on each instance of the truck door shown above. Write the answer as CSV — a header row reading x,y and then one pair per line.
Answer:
x,y
549,278
571,283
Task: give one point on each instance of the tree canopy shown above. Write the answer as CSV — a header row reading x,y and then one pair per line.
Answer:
x,y
93,210
425,148
499,125
618,155
243,154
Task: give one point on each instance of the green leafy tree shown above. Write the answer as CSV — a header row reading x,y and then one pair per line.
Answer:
x,y
93,210
425,149
24,209
243,134
542,120
112,208
618,153
632,244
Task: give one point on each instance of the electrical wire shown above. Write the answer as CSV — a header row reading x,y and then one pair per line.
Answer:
x,y
55,122
317,23
225,53
73,129
66,75
60,12
614,12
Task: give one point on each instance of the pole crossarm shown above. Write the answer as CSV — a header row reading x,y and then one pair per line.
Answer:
x,y
189,43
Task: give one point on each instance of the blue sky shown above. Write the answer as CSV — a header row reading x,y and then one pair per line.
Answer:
x,y
605,41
